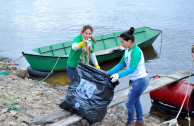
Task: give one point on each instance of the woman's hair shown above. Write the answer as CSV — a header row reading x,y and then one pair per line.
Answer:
x,y
88,27
128,35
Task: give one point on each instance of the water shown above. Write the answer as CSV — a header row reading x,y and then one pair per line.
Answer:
x,y
25,25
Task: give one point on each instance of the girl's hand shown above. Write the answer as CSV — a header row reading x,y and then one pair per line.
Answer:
x,y
114,77
80,44
97,66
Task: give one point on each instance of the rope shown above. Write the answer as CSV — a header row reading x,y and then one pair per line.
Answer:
x,y
174,121
188,117
1,59
50,72
18,59
161,44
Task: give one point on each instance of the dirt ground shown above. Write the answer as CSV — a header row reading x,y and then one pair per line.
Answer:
x,y
24,99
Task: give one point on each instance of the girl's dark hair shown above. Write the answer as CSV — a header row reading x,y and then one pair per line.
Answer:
x,y
88,27
128,35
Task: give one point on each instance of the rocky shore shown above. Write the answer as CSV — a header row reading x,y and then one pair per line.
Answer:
x,y
24,99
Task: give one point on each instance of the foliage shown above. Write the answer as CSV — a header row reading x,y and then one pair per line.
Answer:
x,y
9,102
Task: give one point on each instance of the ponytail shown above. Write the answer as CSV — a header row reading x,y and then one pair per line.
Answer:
x,y
131,31
93,40
128,35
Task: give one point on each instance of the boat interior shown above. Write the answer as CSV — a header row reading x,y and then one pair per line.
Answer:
x,y
105,43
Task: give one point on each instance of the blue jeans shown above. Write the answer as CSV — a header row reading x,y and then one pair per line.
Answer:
x,y
133,104
70,72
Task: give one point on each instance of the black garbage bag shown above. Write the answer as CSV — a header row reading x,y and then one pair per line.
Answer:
x,y
89,93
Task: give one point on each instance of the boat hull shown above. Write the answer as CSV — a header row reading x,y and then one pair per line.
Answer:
x,y
47,63
174,95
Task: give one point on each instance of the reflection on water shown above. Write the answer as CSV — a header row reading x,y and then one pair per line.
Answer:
x,y
166,116
150,53
57,78
61,78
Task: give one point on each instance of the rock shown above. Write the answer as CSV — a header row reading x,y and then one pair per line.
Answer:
x,y
13,113
113,116
29,99
22,124
35,93
22,117
4,110
22,73
1,87
2,117
12,123
1,79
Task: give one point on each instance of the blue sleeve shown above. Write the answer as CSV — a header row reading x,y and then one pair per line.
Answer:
x,y
126,72
116,68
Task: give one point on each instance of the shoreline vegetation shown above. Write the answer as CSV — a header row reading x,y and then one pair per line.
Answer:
x,y
22,99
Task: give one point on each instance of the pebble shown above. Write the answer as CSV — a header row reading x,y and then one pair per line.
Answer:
x,y
12,123
2,117
13,113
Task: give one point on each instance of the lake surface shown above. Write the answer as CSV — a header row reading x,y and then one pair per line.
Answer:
x,y
25,25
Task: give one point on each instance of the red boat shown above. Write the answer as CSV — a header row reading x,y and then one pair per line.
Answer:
x,y
174,95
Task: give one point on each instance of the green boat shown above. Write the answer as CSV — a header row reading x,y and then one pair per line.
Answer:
x,y
108,47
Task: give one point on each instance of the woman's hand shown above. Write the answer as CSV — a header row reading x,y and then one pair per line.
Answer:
x,y
114,77
97,66
80,44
